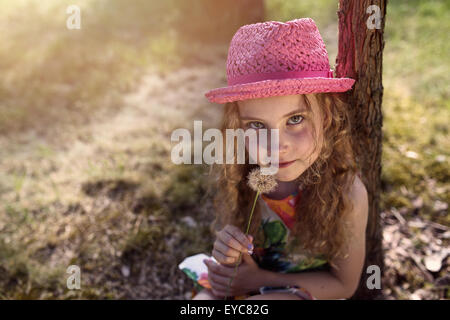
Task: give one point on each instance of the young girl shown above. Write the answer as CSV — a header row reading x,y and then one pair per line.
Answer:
x,y
306,237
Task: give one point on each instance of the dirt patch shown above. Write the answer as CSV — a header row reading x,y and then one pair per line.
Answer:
x,y
115,190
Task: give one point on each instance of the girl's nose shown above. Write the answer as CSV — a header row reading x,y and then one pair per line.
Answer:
x,y
282,150
283,145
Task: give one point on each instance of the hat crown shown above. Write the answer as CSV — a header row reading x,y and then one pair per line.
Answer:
x,y
274,46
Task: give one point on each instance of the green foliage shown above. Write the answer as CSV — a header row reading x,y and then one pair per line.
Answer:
x,y
323,12
417,49
416,104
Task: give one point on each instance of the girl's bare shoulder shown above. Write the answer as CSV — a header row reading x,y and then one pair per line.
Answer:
x,y
358,189
359,198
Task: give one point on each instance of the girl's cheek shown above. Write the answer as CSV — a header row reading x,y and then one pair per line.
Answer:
x,y
307,143
300,137
257,151
252,146
297,142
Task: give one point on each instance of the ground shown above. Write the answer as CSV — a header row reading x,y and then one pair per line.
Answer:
x,y
85,170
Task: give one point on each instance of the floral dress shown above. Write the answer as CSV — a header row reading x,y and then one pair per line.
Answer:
x,y
273,247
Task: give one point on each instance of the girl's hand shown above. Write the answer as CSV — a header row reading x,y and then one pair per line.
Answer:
x,y
229,244
247,277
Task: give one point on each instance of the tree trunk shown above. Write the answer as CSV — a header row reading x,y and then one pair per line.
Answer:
x,y
360,57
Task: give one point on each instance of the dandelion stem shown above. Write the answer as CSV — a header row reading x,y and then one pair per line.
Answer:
x,y
240,254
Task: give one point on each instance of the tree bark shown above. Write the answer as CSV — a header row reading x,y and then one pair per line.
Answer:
x,y
360,57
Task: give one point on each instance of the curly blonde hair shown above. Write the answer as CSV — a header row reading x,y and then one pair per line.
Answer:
x,y
321,226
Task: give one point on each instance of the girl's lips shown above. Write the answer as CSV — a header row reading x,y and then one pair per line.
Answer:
x,y
285,164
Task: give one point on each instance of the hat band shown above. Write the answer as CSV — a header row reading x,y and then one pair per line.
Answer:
x,y
255,77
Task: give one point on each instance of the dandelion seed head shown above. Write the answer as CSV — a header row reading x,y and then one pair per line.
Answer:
x,y
261,182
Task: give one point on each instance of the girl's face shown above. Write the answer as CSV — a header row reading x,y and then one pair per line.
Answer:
x,y
295,122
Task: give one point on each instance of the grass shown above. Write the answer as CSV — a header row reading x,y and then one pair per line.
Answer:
x,y
417,49
83,70
112,201
100,204
53,75
416,106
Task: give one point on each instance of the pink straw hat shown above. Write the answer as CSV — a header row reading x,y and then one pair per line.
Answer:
x,y
274,59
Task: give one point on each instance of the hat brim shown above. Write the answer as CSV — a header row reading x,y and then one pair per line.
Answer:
x,y
278,87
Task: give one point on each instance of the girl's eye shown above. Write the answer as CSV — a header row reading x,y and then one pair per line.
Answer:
x,y
255,125
295,119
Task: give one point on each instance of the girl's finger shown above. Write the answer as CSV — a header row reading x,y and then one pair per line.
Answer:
x,y
226,250
220,257
221,269
219,278
217,281
237,234
231,242
221,291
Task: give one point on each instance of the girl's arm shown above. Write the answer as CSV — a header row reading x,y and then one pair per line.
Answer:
x,y
340,282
